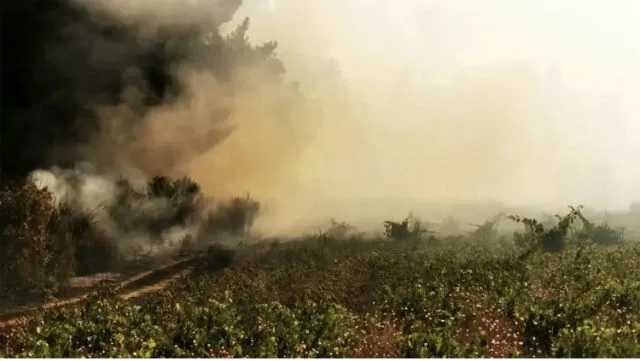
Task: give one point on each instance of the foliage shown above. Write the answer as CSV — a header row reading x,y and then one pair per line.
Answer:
x,y
235,216
590,340
341,231
38,241
409,230
551,239
487,232
602,234
45,243
95,251
319,297
555,237
163,204
218,257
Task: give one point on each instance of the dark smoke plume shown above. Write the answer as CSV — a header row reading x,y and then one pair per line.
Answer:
x,y
70,68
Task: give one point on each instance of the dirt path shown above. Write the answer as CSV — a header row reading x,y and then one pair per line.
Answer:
x,y
134,287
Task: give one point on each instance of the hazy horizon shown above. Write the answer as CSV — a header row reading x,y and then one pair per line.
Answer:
x,y
539,97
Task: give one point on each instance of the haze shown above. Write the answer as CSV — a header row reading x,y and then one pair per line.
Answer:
x,y
528,102
525,103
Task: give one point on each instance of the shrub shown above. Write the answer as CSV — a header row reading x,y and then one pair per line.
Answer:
x,y
597,341
425,344
409,230
487,231
162,204
273,331
235,216
38,241
219,257
326,329
45,243
342,231
95,252
549,239
602,234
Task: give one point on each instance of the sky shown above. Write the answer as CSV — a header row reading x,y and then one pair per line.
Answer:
x,y
560,80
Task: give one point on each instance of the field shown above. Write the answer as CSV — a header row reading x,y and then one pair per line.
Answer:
x,y
350,297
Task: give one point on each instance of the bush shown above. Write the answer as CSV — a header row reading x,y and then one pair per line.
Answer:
x,y
235,216
44,244
548,239
601,234
342,231
95,252
591,341
219,257
162,204
38,241
409,230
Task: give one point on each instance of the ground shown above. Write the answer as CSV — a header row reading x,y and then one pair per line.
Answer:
x,y
322,297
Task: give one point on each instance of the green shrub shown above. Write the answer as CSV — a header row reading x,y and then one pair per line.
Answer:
x,y
327,329
424,344
273,330
598,341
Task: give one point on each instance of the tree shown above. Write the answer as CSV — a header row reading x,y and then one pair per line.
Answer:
x,y
37,241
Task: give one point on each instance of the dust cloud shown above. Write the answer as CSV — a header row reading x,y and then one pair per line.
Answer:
x,y
422,101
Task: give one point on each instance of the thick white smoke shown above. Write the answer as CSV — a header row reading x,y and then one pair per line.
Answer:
x,y
93,193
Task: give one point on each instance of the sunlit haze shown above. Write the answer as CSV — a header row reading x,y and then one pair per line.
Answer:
x,y
529,102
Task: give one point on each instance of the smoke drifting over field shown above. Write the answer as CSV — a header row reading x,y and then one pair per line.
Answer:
x,y
424,100
524,103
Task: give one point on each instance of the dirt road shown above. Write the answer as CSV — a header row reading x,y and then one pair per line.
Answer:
x,y
134,287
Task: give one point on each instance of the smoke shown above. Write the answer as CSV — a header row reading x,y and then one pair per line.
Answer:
x,y
120,209
429,101
175,13
455,103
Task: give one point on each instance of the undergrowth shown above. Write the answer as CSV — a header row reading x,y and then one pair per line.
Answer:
x,y
327,297
567,288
